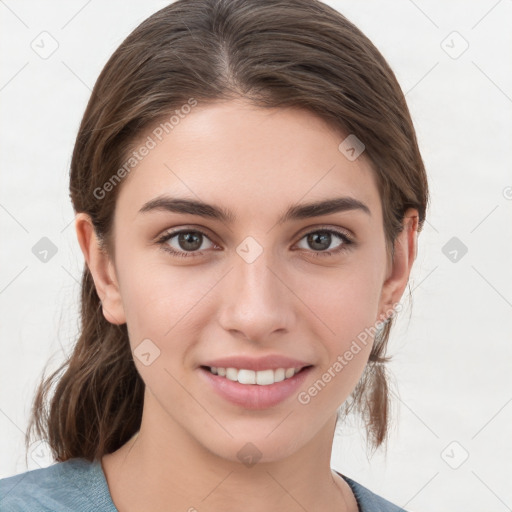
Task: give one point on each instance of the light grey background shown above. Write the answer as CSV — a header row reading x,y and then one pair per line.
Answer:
x,y
452,358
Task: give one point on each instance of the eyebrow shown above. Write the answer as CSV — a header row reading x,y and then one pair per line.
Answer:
x,y
294,212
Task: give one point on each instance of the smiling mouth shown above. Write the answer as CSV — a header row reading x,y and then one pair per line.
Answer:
x,y
258,377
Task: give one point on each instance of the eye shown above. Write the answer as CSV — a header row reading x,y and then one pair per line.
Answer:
x,y
186,242
321,239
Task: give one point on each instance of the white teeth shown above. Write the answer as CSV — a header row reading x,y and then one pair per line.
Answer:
x,y
247,376
231,374
289,373
279,374
261,377
265,377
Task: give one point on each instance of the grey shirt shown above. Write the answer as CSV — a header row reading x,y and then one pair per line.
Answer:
x,y
78,485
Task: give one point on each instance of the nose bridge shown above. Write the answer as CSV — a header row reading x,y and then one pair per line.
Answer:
x,y
256,303
255,279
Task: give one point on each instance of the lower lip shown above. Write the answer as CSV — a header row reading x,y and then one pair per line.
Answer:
x,y
254,396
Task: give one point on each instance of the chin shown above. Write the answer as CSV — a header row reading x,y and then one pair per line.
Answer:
x,y
255,443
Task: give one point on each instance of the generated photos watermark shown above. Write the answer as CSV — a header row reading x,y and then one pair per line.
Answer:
x,y
151,142
305,397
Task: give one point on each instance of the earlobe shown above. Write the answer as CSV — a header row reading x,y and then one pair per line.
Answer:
x,y
102,270
405,252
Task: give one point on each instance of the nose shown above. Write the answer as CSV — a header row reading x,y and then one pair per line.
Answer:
x,y
257,303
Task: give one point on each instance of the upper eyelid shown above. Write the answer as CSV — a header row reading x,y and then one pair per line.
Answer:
x,y
171,233
336,230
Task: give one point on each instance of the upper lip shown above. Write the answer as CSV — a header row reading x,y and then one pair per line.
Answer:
x,y
270,362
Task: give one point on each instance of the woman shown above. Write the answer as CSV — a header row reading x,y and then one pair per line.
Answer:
x,y
248,193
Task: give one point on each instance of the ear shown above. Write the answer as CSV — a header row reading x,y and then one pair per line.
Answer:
x,y
406,250
101,268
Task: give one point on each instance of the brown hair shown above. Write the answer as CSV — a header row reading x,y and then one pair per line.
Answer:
x,y
275,53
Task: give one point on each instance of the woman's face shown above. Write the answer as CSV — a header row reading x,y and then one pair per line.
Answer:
x,y
274,284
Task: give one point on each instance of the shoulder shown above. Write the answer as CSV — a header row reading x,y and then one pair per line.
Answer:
x,y
368,501
76,484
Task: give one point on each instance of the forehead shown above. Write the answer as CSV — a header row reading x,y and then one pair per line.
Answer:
x,y
249,159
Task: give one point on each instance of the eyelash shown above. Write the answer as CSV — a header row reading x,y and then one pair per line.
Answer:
x,y
345,246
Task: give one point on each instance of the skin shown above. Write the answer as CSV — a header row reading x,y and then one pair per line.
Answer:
x,y
255,162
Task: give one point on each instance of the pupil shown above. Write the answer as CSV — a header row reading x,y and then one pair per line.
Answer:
x,y
185,239
320,240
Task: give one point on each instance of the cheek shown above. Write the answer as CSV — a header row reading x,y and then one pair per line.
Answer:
x,y
163,303
347,308
346,302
